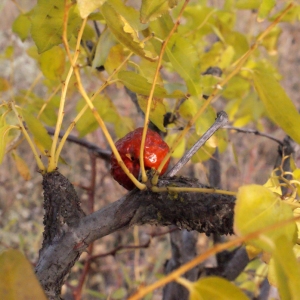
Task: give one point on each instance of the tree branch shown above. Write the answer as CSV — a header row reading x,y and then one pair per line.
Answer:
x,y
208,213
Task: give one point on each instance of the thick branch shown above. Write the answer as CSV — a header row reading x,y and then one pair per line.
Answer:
x,y
208,213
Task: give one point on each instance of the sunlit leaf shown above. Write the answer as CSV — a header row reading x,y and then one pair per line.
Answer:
x,y
185,61
21,26
180,149
271,40
279,106
256,208
157,111
21,165
40,134
53,63
17,278
86,7
247,4
123,31
284,270
47,23
215,288
152,9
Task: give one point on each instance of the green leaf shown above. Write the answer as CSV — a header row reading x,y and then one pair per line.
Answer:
x,y
284,270
86,7
264,9
179,150
53,63
124,32
215,288
184,58
40,134
87,123
247,4
256,208
17,278
21,26
47,23
105,43
152,9
139,84
157,111
279,106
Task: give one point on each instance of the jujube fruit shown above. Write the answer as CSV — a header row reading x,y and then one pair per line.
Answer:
x,y
129,149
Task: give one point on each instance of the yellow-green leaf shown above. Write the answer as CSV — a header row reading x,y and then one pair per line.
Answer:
x,y
21,165
4,130
157,111
284,270
53,63
152,9
105,43
139,84
184,58
40,134
215,288
47,23
180,149
17,278
105,107
21,26
256,208
264,9
279,106
124,32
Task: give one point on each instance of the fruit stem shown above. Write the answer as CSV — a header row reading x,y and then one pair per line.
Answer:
x,y
156,189
147,114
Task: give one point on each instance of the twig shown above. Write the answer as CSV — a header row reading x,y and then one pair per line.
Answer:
x,y
221,120
254,131
104,154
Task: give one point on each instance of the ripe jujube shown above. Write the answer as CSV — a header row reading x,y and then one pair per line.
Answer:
x,y
129,149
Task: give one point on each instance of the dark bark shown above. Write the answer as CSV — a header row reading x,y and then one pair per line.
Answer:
x,y
70,236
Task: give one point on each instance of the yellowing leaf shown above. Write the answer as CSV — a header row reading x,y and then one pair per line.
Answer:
x,y
284,270
157,111
215,288
4,84
115,57
86,7
124,32
180,149
152,9
53,63
17,278
279,106
273,185
256,208
47,23
184,58
21,166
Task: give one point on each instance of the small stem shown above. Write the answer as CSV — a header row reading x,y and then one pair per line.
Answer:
x,y
147,114
221,120
156,189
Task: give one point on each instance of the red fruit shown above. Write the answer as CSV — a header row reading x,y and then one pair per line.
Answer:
x,y
129,149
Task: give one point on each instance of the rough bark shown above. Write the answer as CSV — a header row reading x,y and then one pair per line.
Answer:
x,y
207,213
